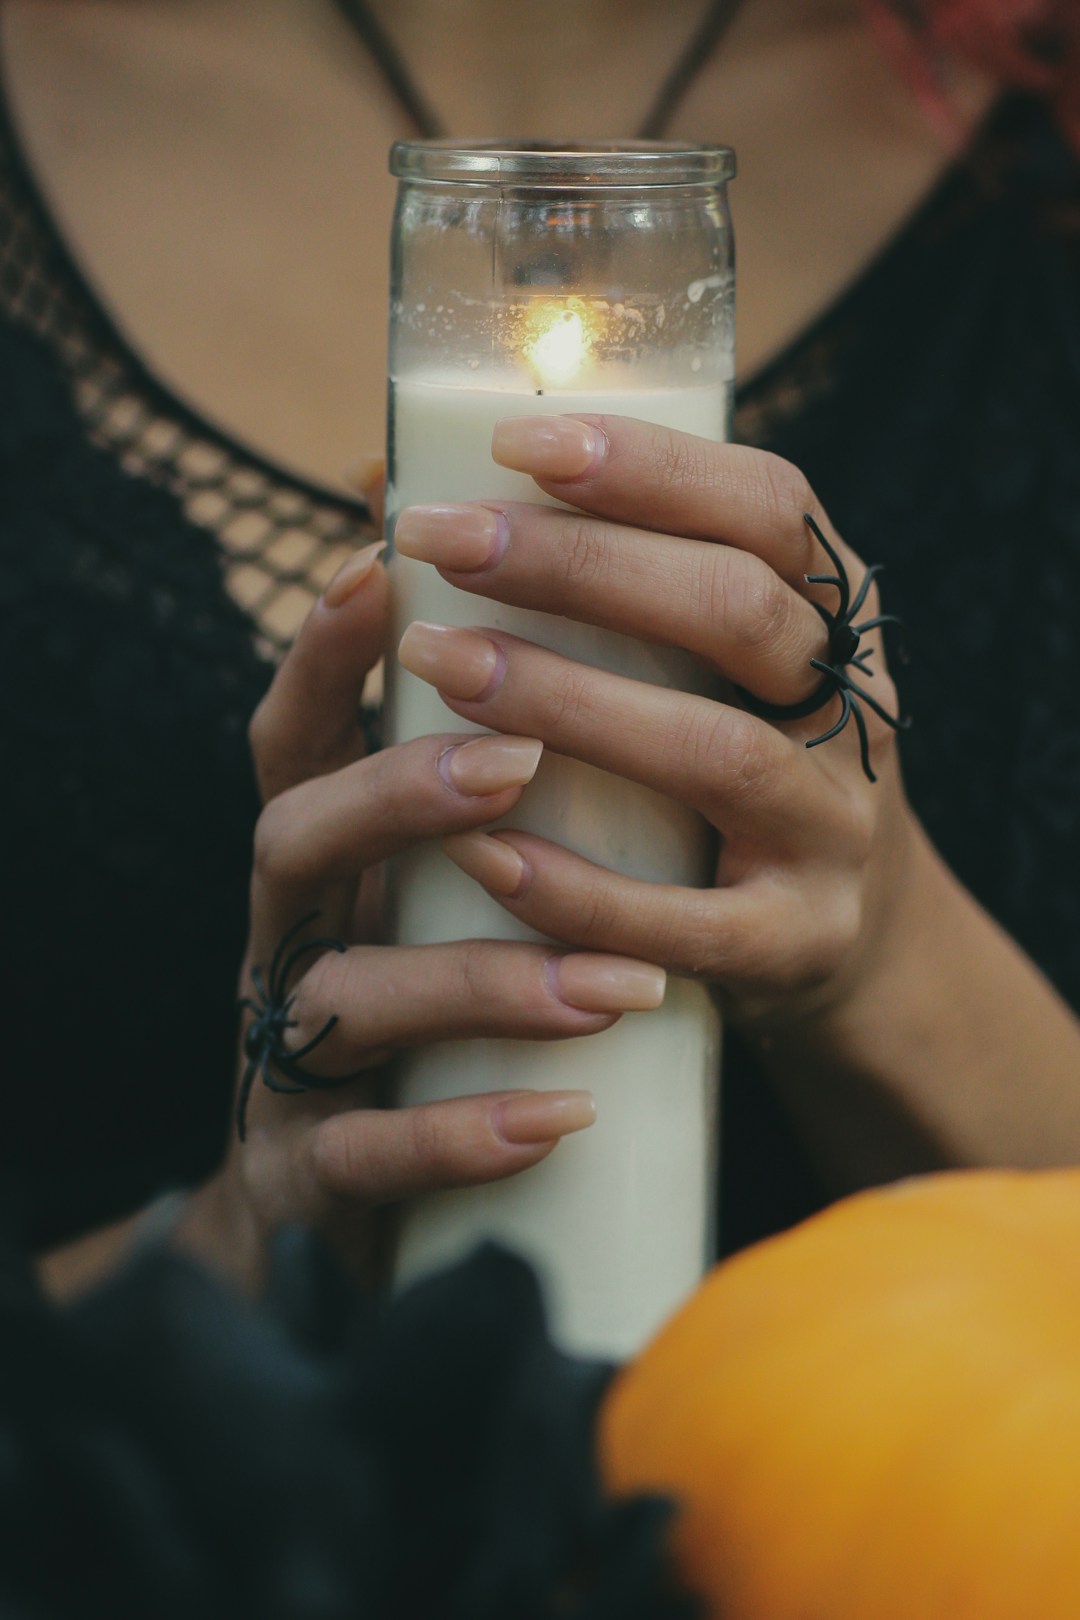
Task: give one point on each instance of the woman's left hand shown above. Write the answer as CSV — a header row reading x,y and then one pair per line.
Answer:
x,y
703,546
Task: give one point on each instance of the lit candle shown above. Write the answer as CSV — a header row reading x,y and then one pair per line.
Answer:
x,y
619,1219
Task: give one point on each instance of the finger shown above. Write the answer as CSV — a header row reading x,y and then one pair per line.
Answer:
x,y
306,724
737,770
758,934
386,997
369,478
726,606
330,829
586,905
653,477
380,1156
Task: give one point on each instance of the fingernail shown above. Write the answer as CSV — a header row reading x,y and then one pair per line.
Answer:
x,y
351,575
490,764
554,447
469,538
538,1116
605,983
458,662
496,866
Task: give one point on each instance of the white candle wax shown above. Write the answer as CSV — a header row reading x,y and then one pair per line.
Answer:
x,y
619,1219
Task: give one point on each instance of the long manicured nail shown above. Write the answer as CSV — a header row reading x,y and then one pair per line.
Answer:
x,y
496,866
490,764
605,983
460,663
552,447
468,538
542,1116
351,575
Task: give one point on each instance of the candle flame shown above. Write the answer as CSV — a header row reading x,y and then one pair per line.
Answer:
x,y
560,342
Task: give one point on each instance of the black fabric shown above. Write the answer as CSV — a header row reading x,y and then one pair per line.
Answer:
x,y
937,414
127,677
937,411
130,530
168,1451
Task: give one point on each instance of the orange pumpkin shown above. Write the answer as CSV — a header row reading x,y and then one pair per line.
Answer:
x,y
875,1416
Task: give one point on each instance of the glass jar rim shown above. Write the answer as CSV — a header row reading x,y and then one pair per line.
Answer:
x,y
565,166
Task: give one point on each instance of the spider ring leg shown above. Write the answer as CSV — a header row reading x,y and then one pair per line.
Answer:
x,y
897,722
279,982
282,949
309,1046
849,709
272,1083
270,1019
244,1094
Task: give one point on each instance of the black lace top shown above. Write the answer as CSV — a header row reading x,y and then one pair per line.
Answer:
x,y
150,568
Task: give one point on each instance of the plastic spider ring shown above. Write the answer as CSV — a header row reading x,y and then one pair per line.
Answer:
x,y
843,653
264,1048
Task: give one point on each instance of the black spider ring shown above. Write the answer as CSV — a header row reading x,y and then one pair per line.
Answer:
x,y
263,1038
843,654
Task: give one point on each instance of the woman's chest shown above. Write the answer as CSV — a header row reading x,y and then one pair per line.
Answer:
x,y
227,210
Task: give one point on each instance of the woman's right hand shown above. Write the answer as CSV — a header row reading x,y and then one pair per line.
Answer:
x,y
331,816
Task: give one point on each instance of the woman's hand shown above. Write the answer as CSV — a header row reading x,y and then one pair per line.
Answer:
x,y
331,817
903,1028
700,546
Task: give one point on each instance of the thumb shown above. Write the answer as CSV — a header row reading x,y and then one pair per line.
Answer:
x,y
368,478
308,723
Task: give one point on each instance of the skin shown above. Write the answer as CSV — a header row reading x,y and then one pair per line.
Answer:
x,y
285,352
902,1029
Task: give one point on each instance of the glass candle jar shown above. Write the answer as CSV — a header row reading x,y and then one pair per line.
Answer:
x,y
536,281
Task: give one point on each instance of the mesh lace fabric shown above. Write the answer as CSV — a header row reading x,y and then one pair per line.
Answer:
x,y
150,571
281,540
937,411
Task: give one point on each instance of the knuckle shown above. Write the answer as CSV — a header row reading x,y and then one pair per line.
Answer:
x,y
285,848
687,938
274,852
474,970
744,760
705,586
785,492
788,946
683,463
389,787
323,991
428,1147
830,935
569,694
585,554
725,746
757,607
596,913
809,945
336,1161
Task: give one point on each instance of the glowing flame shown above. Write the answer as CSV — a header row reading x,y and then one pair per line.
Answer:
x,y
560,342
